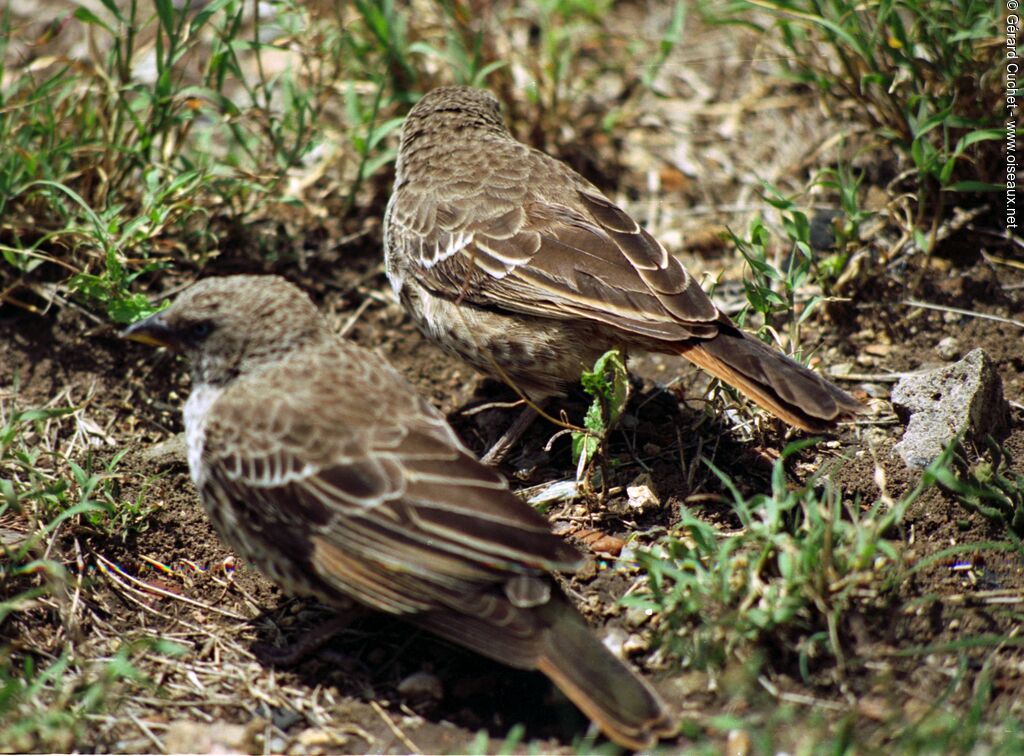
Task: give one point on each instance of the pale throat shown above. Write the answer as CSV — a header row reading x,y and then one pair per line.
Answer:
x,y
197,410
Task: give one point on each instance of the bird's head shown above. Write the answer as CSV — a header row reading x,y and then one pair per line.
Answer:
x,y
451,112
233,325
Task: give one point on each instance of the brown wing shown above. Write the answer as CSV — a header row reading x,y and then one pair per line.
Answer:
x,y
371,486
541,240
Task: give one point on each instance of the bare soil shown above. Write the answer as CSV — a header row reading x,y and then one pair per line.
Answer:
x,y
172,578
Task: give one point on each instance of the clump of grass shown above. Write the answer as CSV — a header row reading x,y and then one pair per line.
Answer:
x,y
46,702
786,257
797,563
158,152
802,561
47,488
844,227
991,486
44,489
923,76
772,289
47,695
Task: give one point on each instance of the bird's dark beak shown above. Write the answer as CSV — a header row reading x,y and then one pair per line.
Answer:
x,y
152,330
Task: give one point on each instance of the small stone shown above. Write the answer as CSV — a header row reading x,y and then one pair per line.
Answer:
x,y
635,616
186,736
874,390
168,453
283,718
873,707
600,542
737,743
948,348
615,640
641,493
875,437
421,686
634,644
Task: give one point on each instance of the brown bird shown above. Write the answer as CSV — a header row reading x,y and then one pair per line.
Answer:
x,y
318,463
516,263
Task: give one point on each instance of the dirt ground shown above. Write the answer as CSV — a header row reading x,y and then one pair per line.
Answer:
x,y
374,688
173,579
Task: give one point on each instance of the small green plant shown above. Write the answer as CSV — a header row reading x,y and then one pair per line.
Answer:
x,y
924,76
798,561
512,742
960,729
772,289
845,184
608,383
464,49
46,492
32,485
561,24
990,487
116,515
670,40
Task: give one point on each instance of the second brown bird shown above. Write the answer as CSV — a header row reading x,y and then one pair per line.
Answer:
x,y
510,259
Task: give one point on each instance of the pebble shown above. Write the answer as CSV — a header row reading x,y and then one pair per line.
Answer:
x,y
948,348
737,743
634,644
615,641
421,686
636,616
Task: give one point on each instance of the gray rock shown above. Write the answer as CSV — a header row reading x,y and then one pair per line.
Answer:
x,y
171,452
963,398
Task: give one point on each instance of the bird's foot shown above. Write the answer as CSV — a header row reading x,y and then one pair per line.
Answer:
x,y
308,644
500,449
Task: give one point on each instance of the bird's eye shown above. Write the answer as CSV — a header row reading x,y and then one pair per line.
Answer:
x,y
200,330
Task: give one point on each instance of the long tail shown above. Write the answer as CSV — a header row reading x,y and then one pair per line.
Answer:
x,y
625,707
785,388
556,640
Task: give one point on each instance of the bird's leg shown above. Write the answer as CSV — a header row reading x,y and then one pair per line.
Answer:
x,y
500,449
310,642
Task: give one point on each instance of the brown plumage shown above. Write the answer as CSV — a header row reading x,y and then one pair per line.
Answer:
x,y
318,463
510,259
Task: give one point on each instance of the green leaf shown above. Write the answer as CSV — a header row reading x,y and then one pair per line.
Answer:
x,y
88,17
973,186
608,383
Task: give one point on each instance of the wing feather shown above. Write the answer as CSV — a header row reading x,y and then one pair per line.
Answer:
x,y
510,244
381,502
